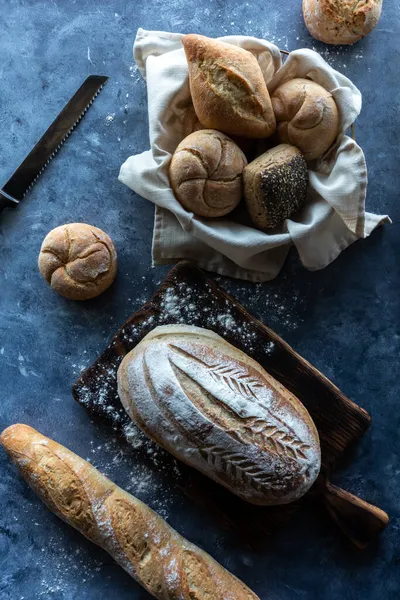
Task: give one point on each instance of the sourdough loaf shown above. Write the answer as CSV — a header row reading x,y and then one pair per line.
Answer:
x,y
163,562
217,410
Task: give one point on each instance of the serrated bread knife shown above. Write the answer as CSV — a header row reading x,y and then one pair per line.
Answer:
x,y
38,159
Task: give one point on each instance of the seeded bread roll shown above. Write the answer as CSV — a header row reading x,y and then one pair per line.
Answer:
x,y
216,409
206,173
78,261
163,562
307,116
228,88
341,21
275,185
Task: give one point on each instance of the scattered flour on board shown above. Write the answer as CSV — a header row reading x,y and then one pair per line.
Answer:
x,y
188,305
280,310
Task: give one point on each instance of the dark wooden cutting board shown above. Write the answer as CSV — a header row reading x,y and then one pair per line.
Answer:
x,y
187,296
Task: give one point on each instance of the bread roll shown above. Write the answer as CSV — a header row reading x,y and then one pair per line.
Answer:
x,y
341,21
228,88
78,261
307,116
206,173
275,185
164,563
217,410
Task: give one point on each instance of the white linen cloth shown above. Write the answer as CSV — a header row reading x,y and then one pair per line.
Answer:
x,y
333,216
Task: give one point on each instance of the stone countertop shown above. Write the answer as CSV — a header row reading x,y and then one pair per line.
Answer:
x,y
344,319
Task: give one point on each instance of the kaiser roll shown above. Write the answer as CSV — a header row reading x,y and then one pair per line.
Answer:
x,y
206,173
307,116
78,261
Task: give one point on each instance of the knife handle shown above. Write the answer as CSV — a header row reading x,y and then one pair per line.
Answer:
x,y
7,201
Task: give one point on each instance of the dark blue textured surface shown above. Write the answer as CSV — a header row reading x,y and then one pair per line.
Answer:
x,y
345,319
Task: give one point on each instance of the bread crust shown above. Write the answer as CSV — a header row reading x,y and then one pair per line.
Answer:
x,y
341,21
228,88
216,409
162,561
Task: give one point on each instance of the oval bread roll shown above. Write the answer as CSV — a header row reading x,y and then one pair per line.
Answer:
x,y
217,410
206,173
163,562
228,88
307,116
341,21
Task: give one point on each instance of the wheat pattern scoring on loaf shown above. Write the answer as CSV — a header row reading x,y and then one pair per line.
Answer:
x,y
216,409
268,433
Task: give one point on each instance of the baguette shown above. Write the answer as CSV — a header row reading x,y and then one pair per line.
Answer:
x,y
163,562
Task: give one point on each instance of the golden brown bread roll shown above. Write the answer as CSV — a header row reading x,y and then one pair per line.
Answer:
x,y
78,261
216,409
275,185
228,89
206,173
341,21
307,116
163,562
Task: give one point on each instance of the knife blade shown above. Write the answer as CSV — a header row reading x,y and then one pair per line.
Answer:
x,y
51,141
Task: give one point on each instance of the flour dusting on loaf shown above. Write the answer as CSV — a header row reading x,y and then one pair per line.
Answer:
x,y
216,409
